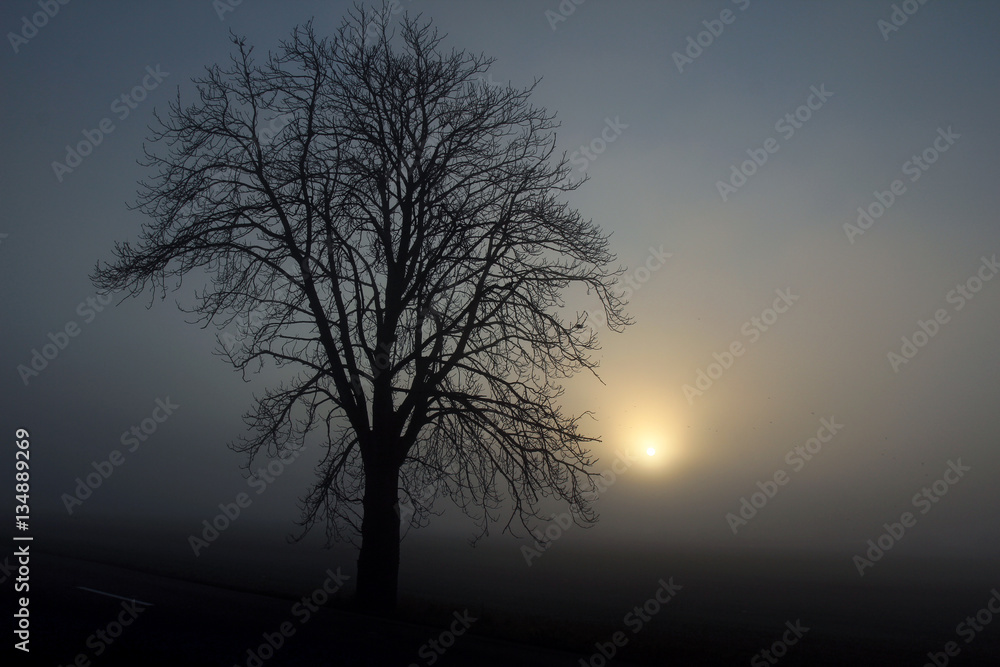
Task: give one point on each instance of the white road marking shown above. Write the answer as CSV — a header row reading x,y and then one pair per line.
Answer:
x,y
112,595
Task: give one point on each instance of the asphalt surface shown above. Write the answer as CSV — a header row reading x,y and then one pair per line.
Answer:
x,y
85,614
75,620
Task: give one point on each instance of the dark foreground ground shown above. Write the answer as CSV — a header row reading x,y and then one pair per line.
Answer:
x,y
715,622
174,622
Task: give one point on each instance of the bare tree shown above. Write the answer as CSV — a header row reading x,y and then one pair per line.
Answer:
x,y
390,227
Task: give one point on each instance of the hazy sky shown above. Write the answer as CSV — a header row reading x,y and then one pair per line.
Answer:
x,y
742,158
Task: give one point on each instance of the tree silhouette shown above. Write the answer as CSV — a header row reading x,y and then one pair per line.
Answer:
x,y
388,224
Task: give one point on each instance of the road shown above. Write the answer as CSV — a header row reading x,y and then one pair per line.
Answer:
x,y
180,623
90,614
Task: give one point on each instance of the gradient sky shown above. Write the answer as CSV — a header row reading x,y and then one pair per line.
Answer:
x,y
891,97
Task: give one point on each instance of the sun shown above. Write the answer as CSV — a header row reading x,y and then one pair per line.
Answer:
x,y
651,451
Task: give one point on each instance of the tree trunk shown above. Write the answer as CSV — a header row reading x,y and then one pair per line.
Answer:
x,y
378,561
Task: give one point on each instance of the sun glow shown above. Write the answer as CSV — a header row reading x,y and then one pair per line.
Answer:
x,y
657,450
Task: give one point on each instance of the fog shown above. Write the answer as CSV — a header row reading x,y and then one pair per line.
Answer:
x,y
808,210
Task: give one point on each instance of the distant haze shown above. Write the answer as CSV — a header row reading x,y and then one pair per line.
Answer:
x,y
727,182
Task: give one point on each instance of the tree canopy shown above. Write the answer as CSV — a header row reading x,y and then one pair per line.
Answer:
x,y
393,229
